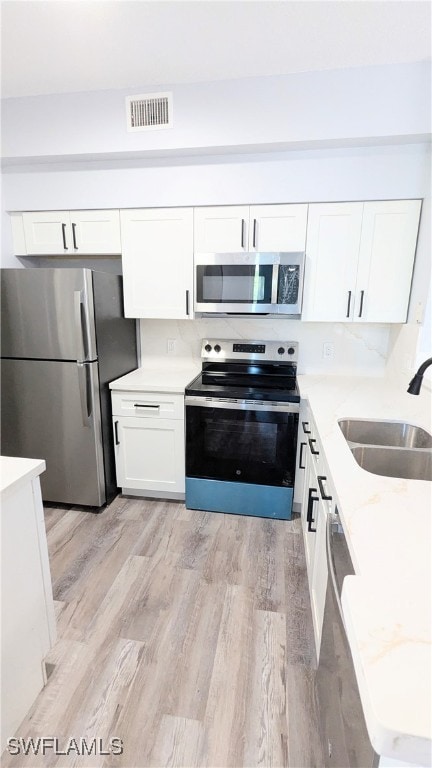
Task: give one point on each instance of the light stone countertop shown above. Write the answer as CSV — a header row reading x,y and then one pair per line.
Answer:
x,y
158,375
388,604
14,471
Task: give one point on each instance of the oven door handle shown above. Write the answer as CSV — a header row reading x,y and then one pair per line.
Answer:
x,y
242,405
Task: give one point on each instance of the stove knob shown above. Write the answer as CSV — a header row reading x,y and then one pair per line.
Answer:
x,y
291,350
217,348
281,351
208,348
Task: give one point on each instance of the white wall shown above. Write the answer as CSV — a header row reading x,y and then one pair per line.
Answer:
x,y
363,104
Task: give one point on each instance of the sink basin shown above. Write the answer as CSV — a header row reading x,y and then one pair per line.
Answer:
x,y
409,464
389,433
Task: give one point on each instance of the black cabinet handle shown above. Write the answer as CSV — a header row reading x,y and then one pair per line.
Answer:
x,y
304,425
361,303
324,496
74,236
187,302
312,449
302,445
349,304
117,441
64,237
309,516
254,233
243,234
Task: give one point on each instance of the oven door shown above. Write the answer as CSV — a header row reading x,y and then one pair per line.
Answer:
x,y
240,441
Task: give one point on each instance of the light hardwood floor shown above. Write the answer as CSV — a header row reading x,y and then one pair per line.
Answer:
x,y
186,634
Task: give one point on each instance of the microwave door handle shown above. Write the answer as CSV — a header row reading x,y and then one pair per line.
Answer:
x,y
274,288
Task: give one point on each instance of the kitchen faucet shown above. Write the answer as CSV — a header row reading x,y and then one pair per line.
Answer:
x,y
416,382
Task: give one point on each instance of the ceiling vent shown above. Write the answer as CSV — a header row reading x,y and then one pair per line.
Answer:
x,y
150,111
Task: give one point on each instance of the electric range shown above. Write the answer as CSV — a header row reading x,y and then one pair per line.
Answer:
x,y
241,428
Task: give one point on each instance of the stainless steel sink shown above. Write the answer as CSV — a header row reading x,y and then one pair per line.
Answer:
x,y
388,433
410,464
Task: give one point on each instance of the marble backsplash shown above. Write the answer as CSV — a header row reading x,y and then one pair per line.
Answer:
x,y
358,348
407,349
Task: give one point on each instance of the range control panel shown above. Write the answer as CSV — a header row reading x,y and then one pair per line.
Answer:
x,y
233,349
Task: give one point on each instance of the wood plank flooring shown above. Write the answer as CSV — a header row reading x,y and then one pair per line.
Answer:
x,y
186,634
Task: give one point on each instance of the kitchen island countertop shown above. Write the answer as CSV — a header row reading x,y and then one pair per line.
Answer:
x,y
14,471
388,603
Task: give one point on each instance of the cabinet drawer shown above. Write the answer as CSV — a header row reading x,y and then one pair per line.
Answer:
x,y
155,405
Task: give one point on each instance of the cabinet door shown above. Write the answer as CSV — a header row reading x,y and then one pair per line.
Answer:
x,y
277,227
157,258
48,232
388,244
302,451
223,229
320,572
332,251
150,454
95,232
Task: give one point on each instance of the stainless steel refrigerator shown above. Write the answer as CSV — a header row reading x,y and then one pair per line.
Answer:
x,y
63,339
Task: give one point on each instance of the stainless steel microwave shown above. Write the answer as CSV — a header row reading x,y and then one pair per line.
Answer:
x,y
249,283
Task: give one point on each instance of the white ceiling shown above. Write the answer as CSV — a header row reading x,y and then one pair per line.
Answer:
x,y
60,46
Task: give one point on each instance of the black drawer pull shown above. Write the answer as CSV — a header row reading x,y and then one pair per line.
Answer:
x,y
301,466
312,449
117,441
142,405
306,431
309,516
324,496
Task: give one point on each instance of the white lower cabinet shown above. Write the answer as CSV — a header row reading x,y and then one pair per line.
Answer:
x,y
316,501
28,624
319,571
149,443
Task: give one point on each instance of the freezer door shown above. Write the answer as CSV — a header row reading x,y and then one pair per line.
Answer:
x,y
51,410
47,314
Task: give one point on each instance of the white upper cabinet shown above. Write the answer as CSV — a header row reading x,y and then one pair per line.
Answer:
x,y
96,232
277,227
157,248
47,232
223,229
68,233
387,250
359,261
236,228
332,251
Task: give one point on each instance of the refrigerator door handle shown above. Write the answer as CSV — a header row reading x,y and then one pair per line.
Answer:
x,y
79,330
85,393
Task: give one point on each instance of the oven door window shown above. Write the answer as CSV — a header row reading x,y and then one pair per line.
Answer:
x,y
241,445
234,284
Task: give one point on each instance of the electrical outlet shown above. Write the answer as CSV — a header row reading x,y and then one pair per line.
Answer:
x,y
171,346
328,350
419,313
